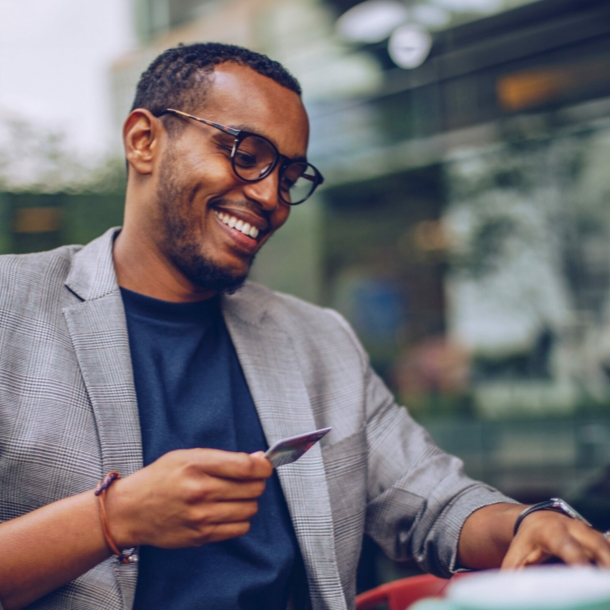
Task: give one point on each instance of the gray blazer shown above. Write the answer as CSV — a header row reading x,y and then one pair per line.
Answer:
x,y
68,414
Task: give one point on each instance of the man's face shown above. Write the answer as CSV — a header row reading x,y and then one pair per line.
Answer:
x,y
199,197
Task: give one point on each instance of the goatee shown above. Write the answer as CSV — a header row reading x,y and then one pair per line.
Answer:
x,y
181,243
204,273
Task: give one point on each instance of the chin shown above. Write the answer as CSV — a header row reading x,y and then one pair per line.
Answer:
x,y
208,274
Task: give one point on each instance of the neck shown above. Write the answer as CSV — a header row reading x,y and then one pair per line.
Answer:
x,y
142,268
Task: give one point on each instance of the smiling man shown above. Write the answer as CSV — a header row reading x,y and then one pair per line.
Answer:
x,y
146,353
191,228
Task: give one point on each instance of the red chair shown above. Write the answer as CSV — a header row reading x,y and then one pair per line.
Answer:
x,y
400,594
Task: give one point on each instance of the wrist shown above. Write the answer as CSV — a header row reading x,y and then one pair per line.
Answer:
x,y
486,535
556,505
114,517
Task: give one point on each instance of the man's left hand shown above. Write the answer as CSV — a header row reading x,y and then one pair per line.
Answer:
x,y
487,539
547,534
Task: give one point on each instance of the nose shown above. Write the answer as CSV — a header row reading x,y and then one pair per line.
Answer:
x,y
265,191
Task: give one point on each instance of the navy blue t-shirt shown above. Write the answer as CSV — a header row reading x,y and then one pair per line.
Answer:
x,y
192,393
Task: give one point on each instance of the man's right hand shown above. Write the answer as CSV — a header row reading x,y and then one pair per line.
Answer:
x,y
187,498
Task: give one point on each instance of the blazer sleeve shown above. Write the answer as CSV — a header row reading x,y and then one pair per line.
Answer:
x,y
418,496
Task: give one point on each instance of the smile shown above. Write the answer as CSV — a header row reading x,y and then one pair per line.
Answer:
x,y
236,223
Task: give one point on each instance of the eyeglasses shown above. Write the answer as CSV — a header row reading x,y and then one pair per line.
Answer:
x,y
253,158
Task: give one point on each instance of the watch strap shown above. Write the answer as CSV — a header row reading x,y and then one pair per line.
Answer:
x,y
555,504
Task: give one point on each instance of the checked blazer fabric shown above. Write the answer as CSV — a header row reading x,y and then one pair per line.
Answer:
x,y
68,415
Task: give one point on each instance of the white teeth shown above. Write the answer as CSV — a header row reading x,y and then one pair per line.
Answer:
x,y
245,227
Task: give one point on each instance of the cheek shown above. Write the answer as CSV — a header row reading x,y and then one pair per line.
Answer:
x,y
280,216
206,182
205,167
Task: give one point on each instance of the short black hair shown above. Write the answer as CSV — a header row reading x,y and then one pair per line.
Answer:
x,y
177,78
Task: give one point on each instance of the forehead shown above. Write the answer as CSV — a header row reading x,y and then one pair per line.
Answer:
x,y
240,97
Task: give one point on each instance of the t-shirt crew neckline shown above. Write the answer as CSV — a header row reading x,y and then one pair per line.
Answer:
x,y
169,311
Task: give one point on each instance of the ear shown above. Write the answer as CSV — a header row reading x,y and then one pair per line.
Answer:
x,y
142,133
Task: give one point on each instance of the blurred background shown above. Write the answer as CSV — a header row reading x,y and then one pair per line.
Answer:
x,y
464,225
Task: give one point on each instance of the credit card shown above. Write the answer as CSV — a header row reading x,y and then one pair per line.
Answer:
x,y
289,450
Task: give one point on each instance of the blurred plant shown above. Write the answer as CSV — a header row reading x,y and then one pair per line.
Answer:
x,y
51,195
515,196
530,230
37,160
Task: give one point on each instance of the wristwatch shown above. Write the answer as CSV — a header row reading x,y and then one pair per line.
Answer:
x,y
556,504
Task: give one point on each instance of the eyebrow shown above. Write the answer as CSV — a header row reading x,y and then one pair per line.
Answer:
x,y
244,127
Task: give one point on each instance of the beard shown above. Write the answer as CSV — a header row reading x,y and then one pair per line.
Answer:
x,y
181,242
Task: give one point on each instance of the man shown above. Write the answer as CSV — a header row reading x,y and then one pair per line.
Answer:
x,y
133,355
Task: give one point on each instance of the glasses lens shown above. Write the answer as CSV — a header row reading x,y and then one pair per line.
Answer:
x,y
298,182
254,158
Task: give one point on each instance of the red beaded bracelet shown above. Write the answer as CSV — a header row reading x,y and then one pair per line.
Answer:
x,y
124,557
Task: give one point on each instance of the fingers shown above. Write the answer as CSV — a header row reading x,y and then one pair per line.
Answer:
x,y
224,475
225,531
227,512
518,557
544,535
214,532
595,543
231,465
187,498
221,490
205,523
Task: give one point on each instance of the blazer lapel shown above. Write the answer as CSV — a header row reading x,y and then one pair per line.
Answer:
x,y
279,393
98,331
99,337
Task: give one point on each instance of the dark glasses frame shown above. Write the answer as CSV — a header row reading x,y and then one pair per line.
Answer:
x,y
240,134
